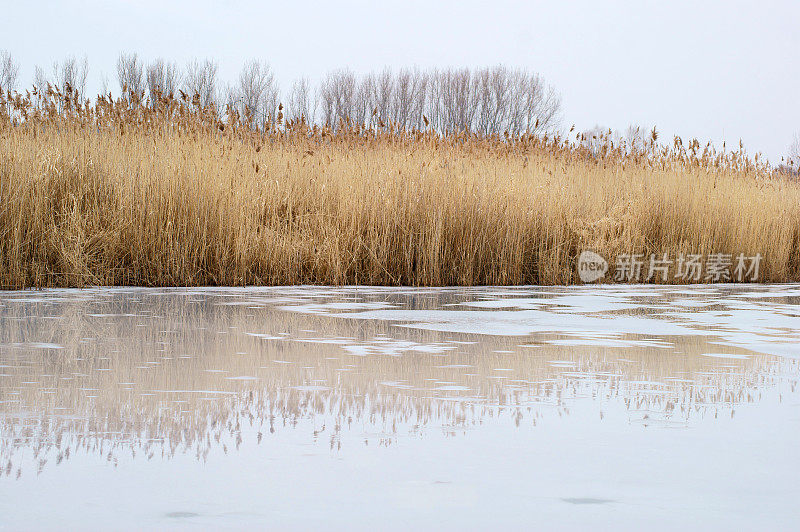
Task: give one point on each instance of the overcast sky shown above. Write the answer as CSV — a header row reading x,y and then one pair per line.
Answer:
x,y
710,70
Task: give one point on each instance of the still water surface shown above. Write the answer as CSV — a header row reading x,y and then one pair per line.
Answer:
x,y
361,407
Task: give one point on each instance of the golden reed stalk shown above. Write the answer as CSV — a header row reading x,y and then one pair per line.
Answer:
x,y
122,193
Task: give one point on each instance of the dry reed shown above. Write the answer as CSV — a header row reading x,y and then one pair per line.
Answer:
x,y
123,193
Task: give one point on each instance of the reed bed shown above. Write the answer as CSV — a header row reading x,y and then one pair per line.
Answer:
x,y
124,193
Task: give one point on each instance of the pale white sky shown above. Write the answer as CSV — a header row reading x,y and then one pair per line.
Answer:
x,y
710,70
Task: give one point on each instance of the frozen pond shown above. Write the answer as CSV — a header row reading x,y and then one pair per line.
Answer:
x,y
365,408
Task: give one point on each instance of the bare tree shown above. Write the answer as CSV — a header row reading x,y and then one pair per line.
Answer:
x,y
337,98
520,103
9,72
793,158
486,101
379,89
300,104
104,84
410,91
201,80
451,101
541,105
492,98
40,83
361,108
130,75
70,76
636,138
255,96
162,79
599,138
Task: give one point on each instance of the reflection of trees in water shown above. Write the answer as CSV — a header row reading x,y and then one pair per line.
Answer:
x,y
162,375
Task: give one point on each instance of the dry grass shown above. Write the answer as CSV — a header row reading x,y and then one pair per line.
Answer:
x,y
119,194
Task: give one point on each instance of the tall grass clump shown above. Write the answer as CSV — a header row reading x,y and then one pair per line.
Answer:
x,y
119,192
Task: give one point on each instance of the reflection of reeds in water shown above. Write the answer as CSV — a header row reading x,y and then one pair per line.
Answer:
x,y
155,375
